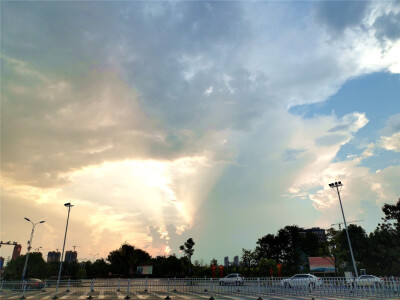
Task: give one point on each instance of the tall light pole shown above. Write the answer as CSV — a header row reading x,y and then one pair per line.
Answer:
x,y
29,246
69,205
337,185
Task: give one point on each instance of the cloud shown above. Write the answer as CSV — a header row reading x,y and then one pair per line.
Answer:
x,y
387,27
291,154
391,143
392,125
339,15
160,117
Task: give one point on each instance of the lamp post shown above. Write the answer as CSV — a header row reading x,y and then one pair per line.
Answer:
x,y
69,205
337,185
29,246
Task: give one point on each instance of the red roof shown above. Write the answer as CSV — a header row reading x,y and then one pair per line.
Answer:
x,y
321,261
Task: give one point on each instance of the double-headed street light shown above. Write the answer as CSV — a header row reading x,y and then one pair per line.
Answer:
x,y
29,246
337,185
69,205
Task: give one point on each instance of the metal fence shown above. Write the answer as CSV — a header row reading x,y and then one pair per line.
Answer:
x,y
338,287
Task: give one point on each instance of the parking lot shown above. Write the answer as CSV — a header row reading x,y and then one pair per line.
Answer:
x,y
153,296
199,289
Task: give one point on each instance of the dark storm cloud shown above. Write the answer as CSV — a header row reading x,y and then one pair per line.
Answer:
x,y
388,27
339,15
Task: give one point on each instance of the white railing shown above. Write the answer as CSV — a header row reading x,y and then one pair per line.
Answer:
x,y
389,287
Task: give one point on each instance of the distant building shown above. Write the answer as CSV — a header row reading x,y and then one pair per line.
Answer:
x,y
1,262
53,256
16,251
319,232
144,270
226,261
236,261
71,256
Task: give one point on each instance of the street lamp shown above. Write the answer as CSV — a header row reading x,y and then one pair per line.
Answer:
x,y
29,246
337,185
69,205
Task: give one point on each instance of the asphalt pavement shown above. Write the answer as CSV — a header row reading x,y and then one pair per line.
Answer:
x,y
34,295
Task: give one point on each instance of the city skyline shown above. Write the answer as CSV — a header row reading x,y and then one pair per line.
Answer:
x,y
218,121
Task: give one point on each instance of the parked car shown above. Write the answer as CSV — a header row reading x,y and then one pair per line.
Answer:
x,y
34,283
301,280
232,279
368,280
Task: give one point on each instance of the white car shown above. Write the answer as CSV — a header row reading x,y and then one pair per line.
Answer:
x,y
301,280
368,280
232,279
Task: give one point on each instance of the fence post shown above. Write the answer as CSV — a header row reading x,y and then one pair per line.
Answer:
x,y
174,285
396,287
69,283
45,285
145,289
212,289
127,292
205,283
1,286
91,290
119,285
259,289
167,298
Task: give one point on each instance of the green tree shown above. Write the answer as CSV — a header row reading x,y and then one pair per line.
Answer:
x,y
310,244
384,243
267,247
99,269
125,260
36,268
188,251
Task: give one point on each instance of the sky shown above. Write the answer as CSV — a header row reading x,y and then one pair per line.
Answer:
x,y
220,121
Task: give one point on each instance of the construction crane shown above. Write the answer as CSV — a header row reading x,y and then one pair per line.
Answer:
x,y
8,243
339,224
75,247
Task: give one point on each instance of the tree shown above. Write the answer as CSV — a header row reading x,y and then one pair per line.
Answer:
x,y
384,243
213,262
125,260
100,268
267,247
248,258
36,268
188,251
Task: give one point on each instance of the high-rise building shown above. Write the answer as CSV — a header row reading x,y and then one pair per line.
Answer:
x,y
236,261
71,256
53,256
319,232
226,261
16,251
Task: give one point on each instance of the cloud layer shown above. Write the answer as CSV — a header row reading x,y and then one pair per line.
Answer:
x,y
169,120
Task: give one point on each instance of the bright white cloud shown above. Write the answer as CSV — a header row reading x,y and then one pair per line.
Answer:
x,y
391,143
